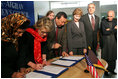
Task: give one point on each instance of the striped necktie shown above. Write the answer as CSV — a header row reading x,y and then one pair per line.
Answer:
x,y
93,22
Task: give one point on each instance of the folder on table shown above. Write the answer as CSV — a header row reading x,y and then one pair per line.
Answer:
x,y
37,75
73,58
68,61
64,63
50,71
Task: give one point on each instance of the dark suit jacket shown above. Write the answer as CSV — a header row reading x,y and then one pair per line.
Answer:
x,y
76,36
51,39
91,35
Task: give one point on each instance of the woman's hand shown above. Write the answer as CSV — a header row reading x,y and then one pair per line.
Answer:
x,y
43,57
84,51
35,66
38,66
45,63
71,53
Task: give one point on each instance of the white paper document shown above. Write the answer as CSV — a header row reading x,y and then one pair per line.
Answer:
x,y
72,58
53,69
63,62
37,75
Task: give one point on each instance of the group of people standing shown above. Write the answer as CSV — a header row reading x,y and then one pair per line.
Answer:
x,y
51,37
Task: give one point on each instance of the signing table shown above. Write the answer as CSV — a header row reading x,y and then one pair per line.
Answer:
x,y
77,70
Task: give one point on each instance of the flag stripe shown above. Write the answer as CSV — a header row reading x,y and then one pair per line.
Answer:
x,y
91,68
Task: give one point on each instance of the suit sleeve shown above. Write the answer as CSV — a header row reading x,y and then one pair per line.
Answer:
x,y
69,37
50,42
115,24
64,39
84,36
26,51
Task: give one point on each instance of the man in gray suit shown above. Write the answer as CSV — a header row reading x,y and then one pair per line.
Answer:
x,y
56,40
91,24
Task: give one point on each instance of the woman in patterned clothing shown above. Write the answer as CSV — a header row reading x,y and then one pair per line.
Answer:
x,y
11,29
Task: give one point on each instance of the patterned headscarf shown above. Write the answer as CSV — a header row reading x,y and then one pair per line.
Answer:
x,y
10,24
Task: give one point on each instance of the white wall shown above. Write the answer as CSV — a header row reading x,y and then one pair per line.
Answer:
x,y
102,9
40,8
69,11
106,8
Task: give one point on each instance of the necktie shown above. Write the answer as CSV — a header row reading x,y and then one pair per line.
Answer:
x,y
56,39
56,34
93,22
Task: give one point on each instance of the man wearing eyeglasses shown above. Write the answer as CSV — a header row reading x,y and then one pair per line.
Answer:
x,y
56,41
109,35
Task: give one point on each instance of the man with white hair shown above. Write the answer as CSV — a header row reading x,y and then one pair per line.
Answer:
x,y
91,25
109,32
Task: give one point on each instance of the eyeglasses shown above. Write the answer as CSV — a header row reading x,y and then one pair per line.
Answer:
x,y
42,32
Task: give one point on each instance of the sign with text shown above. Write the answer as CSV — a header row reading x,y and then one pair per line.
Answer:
x,y
24,7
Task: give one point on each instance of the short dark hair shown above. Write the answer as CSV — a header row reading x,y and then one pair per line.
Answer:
x,y
59,14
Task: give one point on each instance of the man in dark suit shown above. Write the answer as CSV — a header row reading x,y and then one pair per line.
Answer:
x,y
91,24
57,41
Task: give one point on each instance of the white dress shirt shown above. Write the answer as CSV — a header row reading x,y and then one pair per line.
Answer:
x,y
77,23
90,17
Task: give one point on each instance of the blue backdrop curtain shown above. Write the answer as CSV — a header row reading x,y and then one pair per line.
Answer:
x,y
24,7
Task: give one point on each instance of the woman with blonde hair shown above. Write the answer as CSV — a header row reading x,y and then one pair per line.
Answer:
x,y
76,37
30,53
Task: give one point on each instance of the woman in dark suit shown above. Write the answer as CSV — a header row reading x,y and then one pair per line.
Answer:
x,y
11,30
76,35
30,52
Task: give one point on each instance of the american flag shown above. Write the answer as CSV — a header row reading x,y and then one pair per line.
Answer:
x,y
91,68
